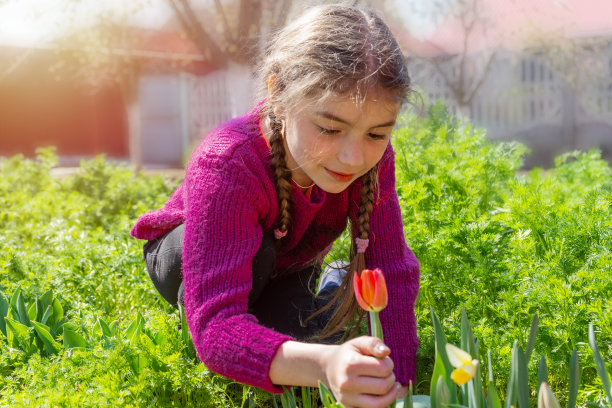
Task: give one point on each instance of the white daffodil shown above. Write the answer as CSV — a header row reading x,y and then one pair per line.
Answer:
x,y
465,366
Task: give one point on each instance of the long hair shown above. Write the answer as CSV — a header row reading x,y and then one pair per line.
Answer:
x,y
330,50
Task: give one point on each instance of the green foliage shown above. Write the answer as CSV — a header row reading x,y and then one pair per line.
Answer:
x,y
500,242
505,244
68,261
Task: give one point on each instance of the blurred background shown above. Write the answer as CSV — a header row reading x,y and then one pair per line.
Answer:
x,y
141,81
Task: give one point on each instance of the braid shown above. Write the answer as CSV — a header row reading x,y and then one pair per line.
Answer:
x,y
343,298
282,174
367,202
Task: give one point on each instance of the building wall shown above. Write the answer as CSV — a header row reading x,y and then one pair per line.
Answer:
x,y
37,109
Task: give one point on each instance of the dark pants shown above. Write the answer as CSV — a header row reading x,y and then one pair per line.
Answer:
x,y
283,303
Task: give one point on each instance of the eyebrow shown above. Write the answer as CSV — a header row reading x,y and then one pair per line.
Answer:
x,y
335,118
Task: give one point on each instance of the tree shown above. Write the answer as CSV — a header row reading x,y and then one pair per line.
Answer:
x,y
465,72
462,69
239,38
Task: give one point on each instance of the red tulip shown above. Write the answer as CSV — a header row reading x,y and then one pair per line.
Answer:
x,y
371,290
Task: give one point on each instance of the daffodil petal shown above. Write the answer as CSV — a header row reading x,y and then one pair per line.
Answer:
x,y
457,356
460,377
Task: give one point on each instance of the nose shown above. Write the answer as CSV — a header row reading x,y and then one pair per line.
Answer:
x,y
351,153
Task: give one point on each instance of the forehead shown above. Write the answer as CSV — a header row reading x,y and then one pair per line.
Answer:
x,y
374,107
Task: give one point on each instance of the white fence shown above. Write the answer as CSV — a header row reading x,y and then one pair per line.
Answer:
x,y
524,98
176,111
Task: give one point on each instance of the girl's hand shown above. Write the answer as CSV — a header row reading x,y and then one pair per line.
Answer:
x,y
360,374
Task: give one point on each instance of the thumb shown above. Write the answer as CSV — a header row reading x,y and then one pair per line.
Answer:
x,y
371,346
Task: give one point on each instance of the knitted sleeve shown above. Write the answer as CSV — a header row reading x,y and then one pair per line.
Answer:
x,y
388,251
222,234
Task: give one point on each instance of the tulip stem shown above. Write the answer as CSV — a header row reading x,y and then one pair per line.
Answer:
x,y
375,326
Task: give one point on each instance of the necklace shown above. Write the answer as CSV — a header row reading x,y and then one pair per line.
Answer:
x,y
301,186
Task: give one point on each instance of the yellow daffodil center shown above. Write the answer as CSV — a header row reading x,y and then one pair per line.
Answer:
x,y
465,366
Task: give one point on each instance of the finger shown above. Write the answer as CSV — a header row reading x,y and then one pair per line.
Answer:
x,y
374,385
368,401
371,346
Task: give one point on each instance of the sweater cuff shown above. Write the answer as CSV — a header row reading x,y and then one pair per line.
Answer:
x,y
249,365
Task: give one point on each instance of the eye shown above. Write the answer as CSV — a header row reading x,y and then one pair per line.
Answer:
x,y
325,131
377,136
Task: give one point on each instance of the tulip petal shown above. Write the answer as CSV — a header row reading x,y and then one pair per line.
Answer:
x,y
456,356
380,293
368,286
357,284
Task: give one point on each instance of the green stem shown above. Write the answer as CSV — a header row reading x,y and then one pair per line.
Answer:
x,y
375,325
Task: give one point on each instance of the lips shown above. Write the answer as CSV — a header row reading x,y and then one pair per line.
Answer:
x,y
340,176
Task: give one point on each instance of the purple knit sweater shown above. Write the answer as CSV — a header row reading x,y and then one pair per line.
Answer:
x,y
227,201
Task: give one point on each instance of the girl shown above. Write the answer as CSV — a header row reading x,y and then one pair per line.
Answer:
x,y
241,241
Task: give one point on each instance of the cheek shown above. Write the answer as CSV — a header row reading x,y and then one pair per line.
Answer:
x,y
307,146
375,153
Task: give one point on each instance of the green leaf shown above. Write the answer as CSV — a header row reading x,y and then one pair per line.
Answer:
x,y
46,314
46,299
306,398
73,339
16,294
542,372
512,391
442,394
327,397
601,367
440,340
22,311
57,326
523,380
4,307
439,371
574,380
58,313
493,400
104,329
51,346
18,335
135,328
408,398
160,339
138,362
466,333
32,311
533,332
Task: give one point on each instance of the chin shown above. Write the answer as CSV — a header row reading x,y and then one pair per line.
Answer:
x,y
333,188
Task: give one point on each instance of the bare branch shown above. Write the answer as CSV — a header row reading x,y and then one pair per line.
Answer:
x,y
482,78
226,28
195,30
447,79
283,12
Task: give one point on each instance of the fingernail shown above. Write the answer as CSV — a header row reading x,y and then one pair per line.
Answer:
x,y
381,348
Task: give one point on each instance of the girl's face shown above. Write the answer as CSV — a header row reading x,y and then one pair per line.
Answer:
x,y
334,142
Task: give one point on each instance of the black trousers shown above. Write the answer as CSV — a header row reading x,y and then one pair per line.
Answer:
x,y
283,303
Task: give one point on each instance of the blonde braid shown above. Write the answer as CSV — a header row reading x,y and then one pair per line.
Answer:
x,y
282,174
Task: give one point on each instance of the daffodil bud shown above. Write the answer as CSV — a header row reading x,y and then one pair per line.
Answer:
x,y
546,398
